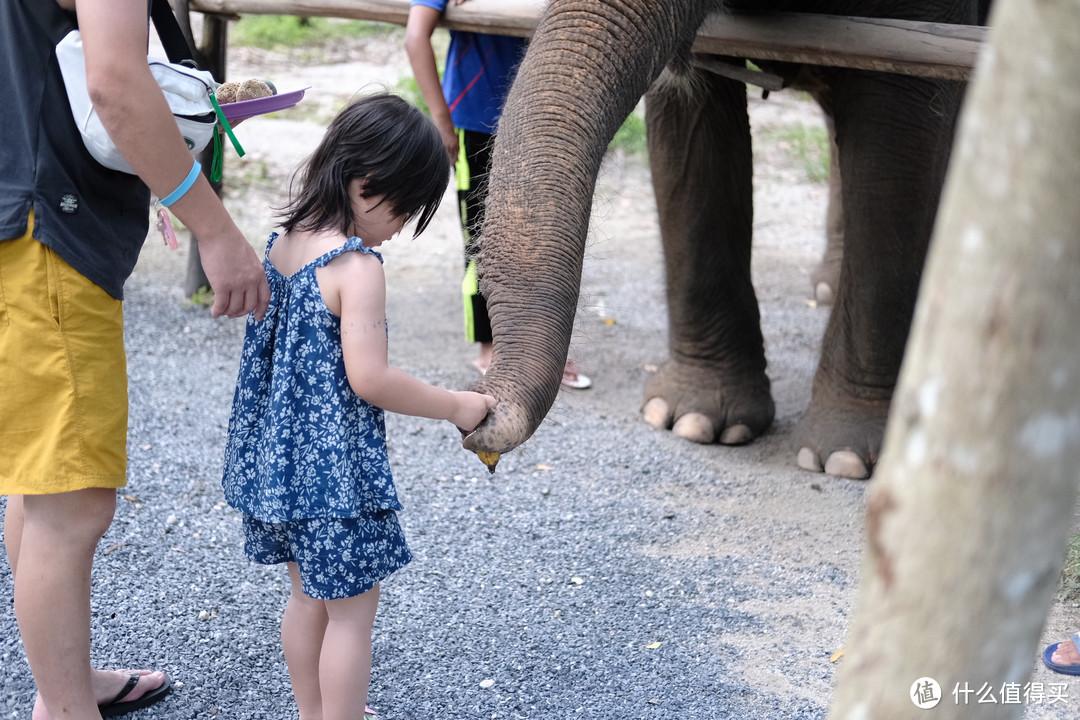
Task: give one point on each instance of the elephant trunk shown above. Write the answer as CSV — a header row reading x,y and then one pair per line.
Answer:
x,y
587,65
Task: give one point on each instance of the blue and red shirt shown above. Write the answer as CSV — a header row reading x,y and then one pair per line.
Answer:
x,y
479,71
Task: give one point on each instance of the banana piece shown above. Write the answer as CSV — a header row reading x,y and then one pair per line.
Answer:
x,y
491,459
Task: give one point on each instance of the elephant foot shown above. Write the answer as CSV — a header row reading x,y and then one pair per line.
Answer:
x,y
841,436
825,279
706,405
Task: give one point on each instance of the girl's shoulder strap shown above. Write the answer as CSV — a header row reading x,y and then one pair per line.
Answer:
x,y
353,244
270,243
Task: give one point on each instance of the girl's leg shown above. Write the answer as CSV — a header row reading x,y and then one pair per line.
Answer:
x,y
52,594
13,524
345,665
302,630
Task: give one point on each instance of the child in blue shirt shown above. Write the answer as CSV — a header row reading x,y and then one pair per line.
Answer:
x,y
480,69
306,460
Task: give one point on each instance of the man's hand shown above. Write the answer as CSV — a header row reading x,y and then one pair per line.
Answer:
x,y
235,274
449,137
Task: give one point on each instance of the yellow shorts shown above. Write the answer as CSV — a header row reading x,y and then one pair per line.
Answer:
x,y
63,375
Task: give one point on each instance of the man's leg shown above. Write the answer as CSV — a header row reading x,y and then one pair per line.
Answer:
x,y
13,524
52,594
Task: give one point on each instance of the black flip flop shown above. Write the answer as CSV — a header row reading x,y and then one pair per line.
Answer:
x,y
116,706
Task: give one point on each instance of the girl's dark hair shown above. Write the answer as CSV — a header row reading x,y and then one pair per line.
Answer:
x,y
383,140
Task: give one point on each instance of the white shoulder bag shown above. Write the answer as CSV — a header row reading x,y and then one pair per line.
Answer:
x,y
187,90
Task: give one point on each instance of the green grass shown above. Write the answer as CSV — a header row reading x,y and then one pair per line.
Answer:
x,y
1070,574
630,138
809,146
278,31
408,88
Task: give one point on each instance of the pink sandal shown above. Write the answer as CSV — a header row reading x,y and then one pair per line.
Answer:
x,y
571,378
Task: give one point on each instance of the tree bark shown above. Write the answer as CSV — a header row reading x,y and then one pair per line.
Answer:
x,y
972,502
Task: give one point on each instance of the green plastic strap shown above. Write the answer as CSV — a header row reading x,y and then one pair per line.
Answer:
x,y
461,169
224,122
218,165
470,288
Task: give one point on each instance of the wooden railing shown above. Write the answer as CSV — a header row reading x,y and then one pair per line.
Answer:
x,y
898,46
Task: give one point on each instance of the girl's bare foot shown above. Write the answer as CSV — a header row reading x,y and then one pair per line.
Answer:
x,y
107,685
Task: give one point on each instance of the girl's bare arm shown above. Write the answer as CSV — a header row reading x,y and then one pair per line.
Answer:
x,y
359,284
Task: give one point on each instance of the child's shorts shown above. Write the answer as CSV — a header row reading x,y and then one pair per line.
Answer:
x,y
63,380
337,557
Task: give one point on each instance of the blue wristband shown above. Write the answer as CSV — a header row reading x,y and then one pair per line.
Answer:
x,y
185,185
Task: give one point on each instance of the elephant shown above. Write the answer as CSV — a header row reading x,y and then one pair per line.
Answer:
x,y
825,277
587,65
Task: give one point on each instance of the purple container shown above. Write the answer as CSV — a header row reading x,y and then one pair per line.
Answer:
x,y
245,109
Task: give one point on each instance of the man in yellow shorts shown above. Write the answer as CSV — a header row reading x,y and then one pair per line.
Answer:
x,y
70,233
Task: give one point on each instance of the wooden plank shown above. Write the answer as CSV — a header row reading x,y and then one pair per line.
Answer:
x,y
899,46
905,47
494,17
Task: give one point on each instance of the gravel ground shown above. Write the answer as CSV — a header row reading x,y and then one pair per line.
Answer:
x,y
605,571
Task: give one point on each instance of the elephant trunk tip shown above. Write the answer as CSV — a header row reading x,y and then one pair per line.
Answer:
x,y
506,427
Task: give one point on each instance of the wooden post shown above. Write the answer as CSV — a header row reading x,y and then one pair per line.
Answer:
x,y
212,52
972,503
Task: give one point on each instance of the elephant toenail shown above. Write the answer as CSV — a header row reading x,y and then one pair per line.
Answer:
x,y
695,427
657,414
736,435
845,463
808,460
823,294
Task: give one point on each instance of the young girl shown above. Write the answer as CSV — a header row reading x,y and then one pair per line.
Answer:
x,y
306,459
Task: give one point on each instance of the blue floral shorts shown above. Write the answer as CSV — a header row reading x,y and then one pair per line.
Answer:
x,y
337,557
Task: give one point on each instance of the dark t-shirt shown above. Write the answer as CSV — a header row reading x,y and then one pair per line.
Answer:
x,y
93,217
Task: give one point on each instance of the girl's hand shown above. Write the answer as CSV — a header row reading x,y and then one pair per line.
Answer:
x,y
470,409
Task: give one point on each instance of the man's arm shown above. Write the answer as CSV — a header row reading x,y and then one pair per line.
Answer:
x,y
138,120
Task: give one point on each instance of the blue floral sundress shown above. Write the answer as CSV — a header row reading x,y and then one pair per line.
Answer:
x,y
306,460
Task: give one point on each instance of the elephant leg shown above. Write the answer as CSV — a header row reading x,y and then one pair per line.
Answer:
x,y
894,136
825,278
714,386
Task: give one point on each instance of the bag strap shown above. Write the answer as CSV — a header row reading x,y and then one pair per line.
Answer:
x,y
168,30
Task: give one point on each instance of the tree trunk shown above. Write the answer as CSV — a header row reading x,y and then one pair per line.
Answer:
x,y
968,515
